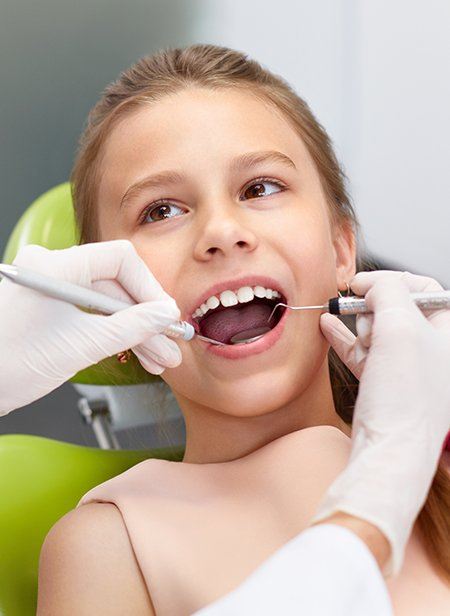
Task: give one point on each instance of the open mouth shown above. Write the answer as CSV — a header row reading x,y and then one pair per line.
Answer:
x,y
242,323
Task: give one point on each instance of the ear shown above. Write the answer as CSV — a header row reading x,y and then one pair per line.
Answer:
x,y
344,246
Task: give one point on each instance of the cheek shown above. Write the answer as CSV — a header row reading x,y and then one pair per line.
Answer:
x,y
308,248
310,253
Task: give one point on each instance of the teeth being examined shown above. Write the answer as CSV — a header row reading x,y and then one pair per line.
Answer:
x,y
231,298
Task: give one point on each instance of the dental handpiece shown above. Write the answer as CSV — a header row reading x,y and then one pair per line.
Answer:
x,y
431,300
352,304
85,298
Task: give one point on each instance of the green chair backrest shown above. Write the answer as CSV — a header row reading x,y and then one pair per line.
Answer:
x,y
50,222
41,480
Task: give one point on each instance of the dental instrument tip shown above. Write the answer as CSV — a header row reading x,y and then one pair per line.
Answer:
x,y
210,340
297,308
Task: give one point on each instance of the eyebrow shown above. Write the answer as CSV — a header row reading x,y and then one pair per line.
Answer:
x,y
170,178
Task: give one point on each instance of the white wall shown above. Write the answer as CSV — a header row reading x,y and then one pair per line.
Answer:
x,y
400,162
376,74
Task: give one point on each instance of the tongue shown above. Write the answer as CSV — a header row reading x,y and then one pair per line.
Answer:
x,y
227,323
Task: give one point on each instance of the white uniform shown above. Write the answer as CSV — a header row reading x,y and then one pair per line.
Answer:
x,y
326,570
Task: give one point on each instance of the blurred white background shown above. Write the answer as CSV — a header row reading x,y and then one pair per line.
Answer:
x,y
375,73
377,76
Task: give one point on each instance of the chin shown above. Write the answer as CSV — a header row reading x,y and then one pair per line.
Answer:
x,y
255,393
258,396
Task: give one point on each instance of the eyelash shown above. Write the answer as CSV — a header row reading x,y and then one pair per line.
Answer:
x,y
161,202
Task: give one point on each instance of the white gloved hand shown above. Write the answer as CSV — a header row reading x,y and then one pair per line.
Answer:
x,y
402,412
45,341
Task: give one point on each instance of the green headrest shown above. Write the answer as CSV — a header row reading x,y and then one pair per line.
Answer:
x,y
50,222
41,480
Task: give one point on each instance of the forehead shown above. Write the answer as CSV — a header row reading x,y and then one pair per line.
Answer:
x,y
196,129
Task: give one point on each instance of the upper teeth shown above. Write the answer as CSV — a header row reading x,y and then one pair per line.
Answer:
x,y
231,298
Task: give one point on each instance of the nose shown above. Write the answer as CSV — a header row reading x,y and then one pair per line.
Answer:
x,y
224,232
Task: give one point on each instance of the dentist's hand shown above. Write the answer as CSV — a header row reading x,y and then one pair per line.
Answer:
x,y
402,412
45,341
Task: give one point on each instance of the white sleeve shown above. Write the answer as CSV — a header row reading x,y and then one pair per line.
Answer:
x,y
326,570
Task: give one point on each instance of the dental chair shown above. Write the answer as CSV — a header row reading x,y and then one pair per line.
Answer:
x,y
42,479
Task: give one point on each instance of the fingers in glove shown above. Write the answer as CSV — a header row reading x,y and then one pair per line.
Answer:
x,y
363,281
113,289
128,328
161,349
69,264
398,323
38,259
148,363
342,340
386,294
360,353
335,331
87,263
118,259
364,323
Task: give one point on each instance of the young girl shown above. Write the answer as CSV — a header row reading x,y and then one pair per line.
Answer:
x,y
229,189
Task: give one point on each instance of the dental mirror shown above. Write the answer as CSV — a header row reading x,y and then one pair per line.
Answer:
x,y
243,337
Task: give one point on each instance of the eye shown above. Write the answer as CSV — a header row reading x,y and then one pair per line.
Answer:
x,y
257,186
163,205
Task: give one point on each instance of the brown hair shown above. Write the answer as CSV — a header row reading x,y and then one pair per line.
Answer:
x,y
209,66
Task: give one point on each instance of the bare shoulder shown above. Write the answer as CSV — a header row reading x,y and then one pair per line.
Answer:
x,y
316,435
321,446
87,566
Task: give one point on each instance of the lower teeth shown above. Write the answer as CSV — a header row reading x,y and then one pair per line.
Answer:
x,y
243,337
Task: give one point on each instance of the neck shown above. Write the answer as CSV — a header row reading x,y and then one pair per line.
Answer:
x,y
215,437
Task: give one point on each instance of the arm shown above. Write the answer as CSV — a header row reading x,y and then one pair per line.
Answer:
x,y
402,412
87,566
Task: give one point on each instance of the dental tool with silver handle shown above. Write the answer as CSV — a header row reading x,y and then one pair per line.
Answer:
x,y
87,298
352,304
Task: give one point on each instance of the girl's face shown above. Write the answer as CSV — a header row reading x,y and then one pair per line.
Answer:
x,y
243,198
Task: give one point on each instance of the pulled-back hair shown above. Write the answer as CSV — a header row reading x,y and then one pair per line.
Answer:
x,y
213,67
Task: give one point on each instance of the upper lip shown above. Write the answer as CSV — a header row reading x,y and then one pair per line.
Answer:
x,y
251,280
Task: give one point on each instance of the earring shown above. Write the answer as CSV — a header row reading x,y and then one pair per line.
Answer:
x,y
123,356
348,291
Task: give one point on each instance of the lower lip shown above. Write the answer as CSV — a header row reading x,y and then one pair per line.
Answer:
x,y
239,351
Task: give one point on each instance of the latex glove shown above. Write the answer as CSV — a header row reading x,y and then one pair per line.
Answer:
x,y
45,341
402,412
